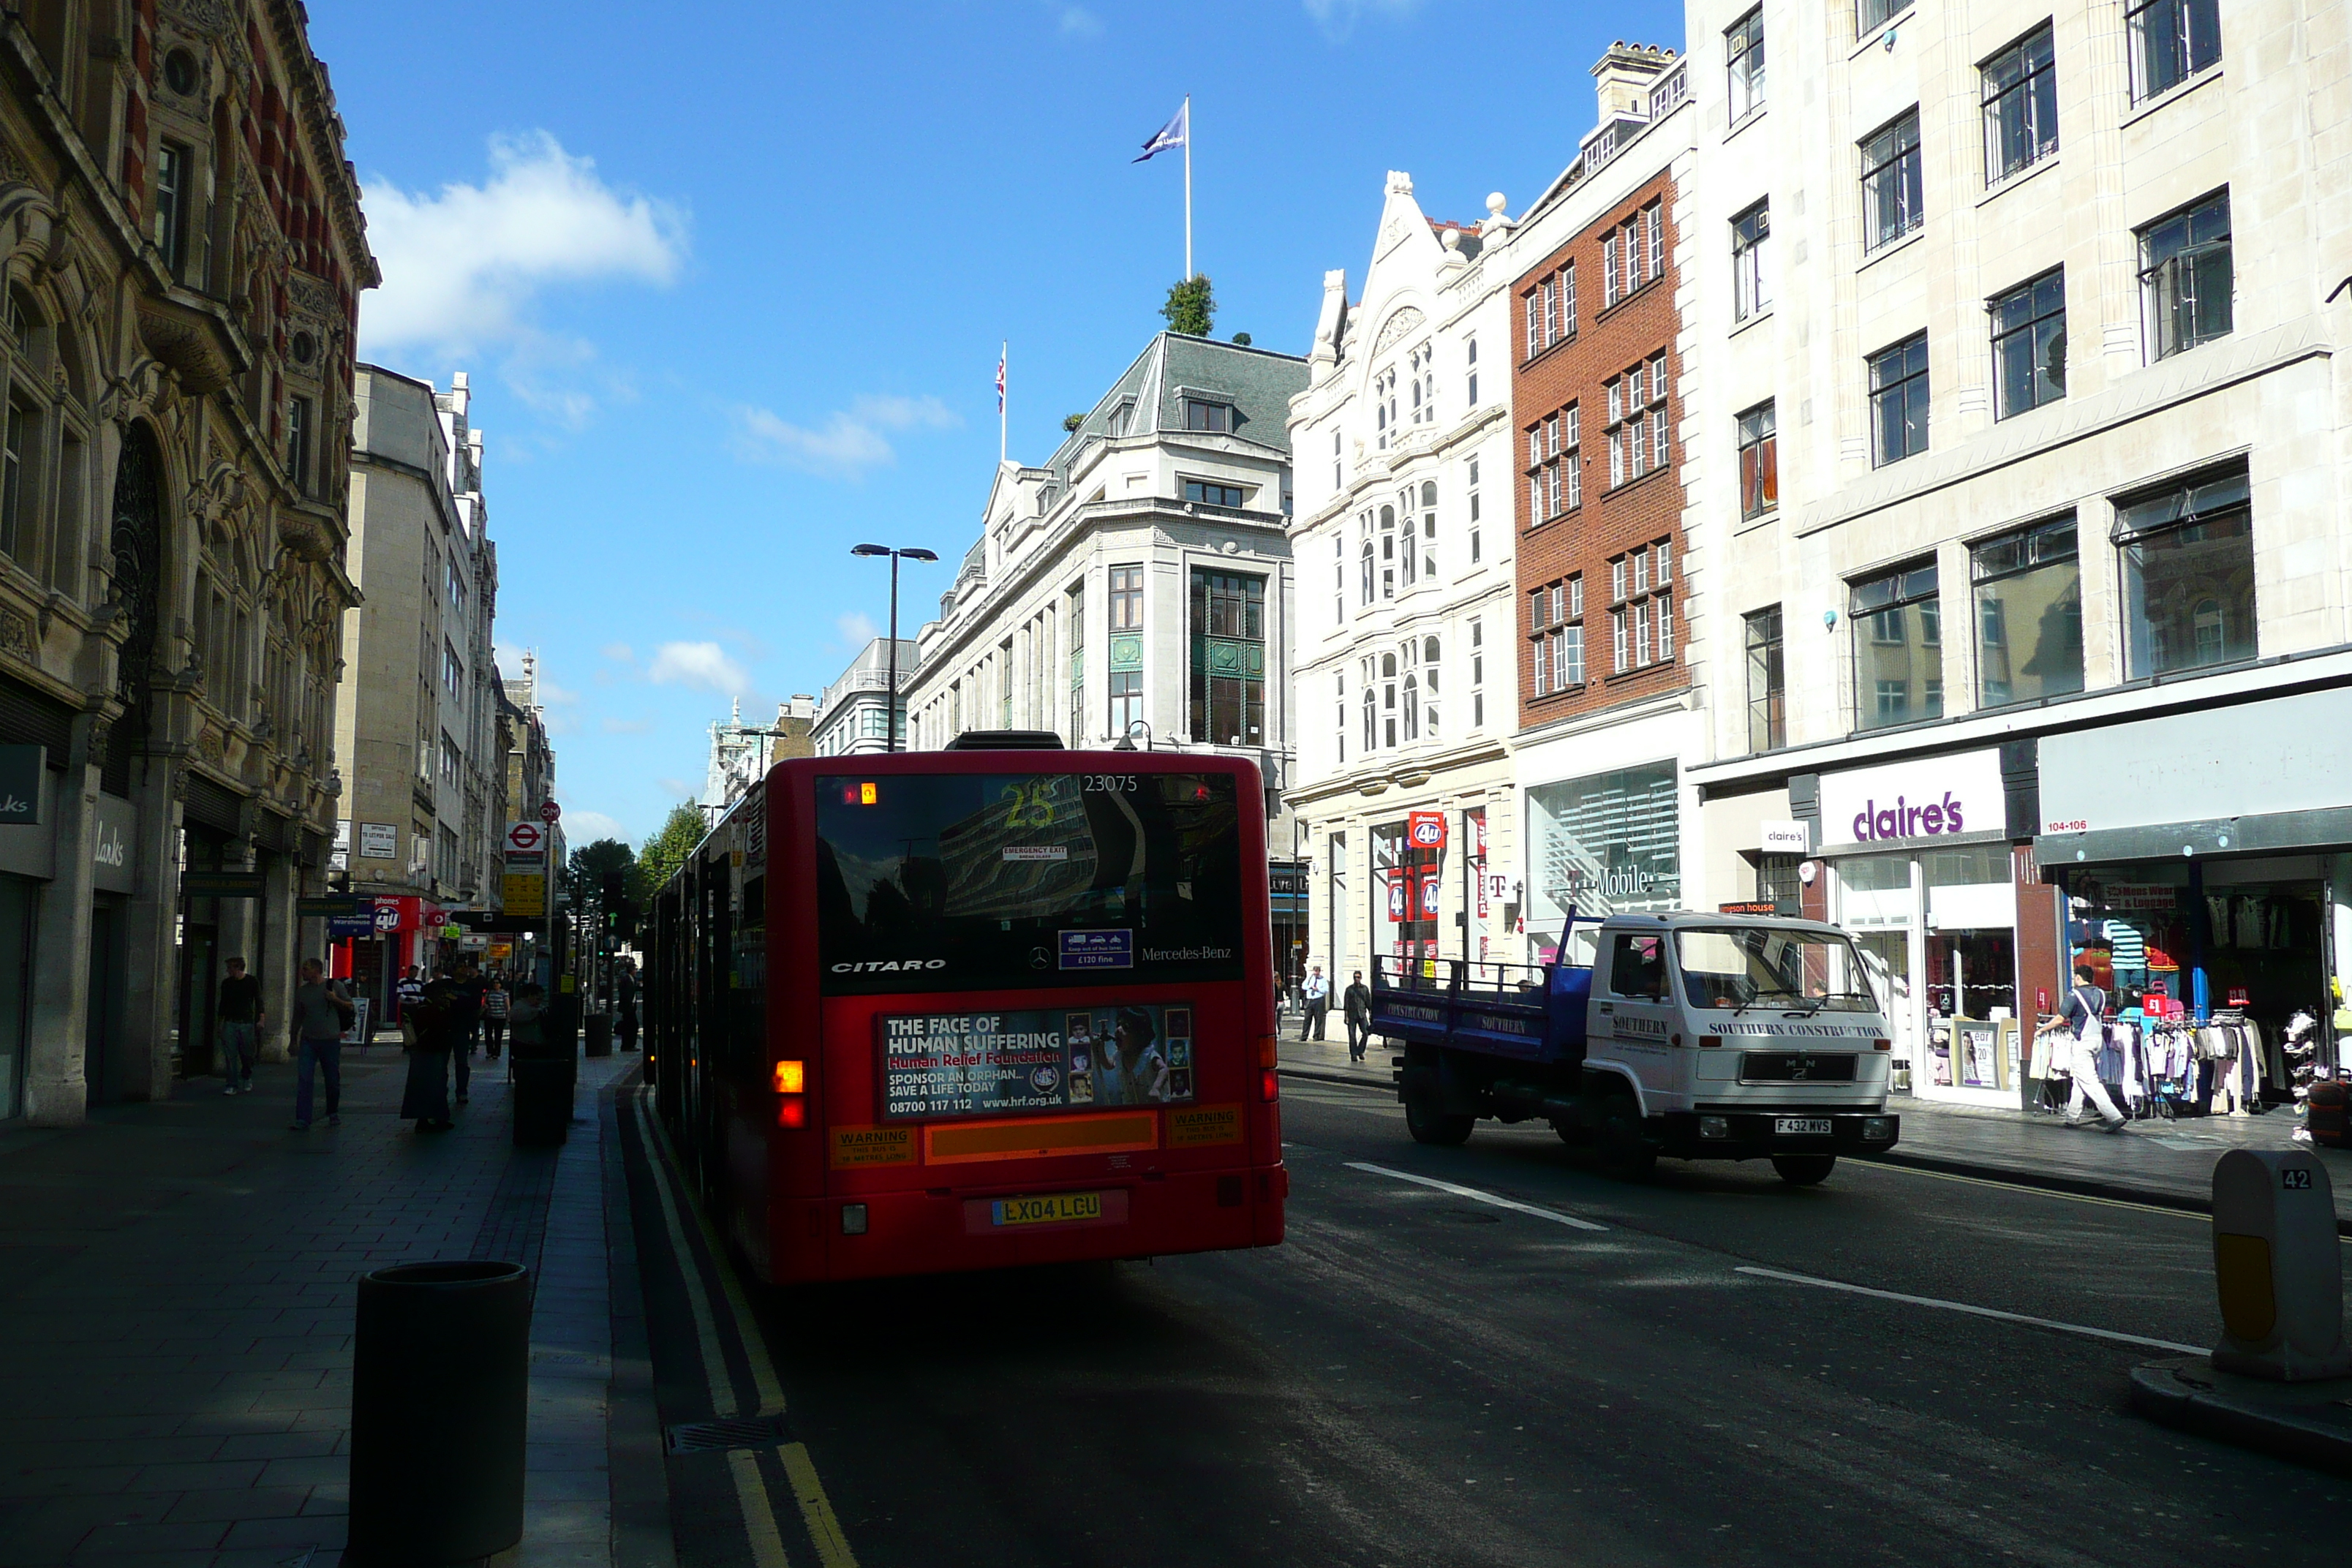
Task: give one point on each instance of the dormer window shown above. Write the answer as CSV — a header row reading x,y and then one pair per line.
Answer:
x,y
1202,414
1121,417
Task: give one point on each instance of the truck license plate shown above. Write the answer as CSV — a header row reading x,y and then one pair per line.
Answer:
x,y
1801,1126
1053,1209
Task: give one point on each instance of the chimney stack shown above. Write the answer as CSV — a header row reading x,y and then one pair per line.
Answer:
x,y
1623,76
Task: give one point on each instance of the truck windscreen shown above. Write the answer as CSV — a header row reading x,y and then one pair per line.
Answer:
x,y
960,882
1767,966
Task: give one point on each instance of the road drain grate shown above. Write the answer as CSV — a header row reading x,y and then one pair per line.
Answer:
x,y
702,1436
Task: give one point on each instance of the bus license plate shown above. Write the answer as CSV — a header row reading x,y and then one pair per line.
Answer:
x,y
1059,1208
1801,1126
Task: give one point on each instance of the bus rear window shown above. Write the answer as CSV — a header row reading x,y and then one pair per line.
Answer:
x,y
959,882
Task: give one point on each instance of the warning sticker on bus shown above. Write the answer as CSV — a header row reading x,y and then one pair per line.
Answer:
x,y
855,1146
1043,1059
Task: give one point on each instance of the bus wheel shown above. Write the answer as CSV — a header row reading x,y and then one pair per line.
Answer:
x,y
1804,1170
1626,1152
1429,1125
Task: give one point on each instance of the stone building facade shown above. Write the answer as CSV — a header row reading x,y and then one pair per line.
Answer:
x,y
852,713
181,267
422,817
1402,545
2032,471
1139,584
1608,711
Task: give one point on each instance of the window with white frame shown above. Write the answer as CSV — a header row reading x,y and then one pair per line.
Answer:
x,y
1554,483
1751,271
1638,435
1367,558
1429,529
1633,254
1423,366
1338,483
1370,701
1387,552
1556,633
1471,501
1743,50
1339,701
1338,578
1642,615
1470,358
1383,405
1759,460
1408,547
1477,673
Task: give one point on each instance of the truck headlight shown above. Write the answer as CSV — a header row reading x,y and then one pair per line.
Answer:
x,y
1878,1129
1714,1127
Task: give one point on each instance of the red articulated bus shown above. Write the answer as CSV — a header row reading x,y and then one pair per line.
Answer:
x,y
973,1008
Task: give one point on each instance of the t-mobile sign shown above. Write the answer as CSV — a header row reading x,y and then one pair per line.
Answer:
x,y
1935,797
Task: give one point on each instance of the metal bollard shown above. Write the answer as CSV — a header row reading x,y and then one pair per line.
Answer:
x,y
2279,1267
440,1383
598,1039
544,1090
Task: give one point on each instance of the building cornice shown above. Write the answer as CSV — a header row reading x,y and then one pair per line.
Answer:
x,y
1375,782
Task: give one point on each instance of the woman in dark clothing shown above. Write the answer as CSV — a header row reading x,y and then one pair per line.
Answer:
x,y
430,1024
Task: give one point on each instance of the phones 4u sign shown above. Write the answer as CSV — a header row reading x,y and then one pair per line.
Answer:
x,y
1425,829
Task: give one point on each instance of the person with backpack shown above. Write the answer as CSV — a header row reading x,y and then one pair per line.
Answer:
x,y
322,1012
2086,1014
494,1002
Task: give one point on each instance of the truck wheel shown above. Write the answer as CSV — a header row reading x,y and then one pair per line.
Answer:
x,y
1626,1150
1429,1125
1804,1170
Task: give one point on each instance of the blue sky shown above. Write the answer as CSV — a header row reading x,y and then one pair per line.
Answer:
x,y
730,287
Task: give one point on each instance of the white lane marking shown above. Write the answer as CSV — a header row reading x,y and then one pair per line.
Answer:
x,y
2033,1191
1476,1196
2082,1328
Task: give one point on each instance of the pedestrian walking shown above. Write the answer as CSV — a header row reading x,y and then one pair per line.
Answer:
x,y
2085,1013
238,1008
495,1002
1317,994
1356,1004
466,1018
410,987
323,1011
428,1031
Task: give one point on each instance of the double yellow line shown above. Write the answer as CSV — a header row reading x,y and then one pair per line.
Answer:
x,y
743,1464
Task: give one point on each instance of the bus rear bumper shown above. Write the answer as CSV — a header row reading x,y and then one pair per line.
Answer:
x,y
934,1232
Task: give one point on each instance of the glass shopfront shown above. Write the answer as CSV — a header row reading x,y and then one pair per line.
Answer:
x,y
1601,845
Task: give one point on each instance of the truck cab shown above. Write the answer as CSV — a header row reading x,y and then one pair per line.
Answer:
x,y
1691,1035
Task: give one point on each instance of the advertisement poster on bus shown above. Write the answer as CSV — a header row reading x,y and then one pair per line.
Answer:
x,y
938,1065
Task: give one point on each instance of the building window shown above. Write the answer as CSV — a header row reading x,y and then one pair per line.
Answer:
x,y
1215,417
1477,674
2185,277
452,673
1642,629
1898,401
2020,105
1388,553
1752,273
1743,48
2189,574
456,586
1868,15
451,767
1077,663
1337,482
1365,558
1470,498
1760,461
1424,384
1637,434
2028,345
1470,357
1206,493
1768,683
1388,699
1898,648
298,446
1428,530
1004,685
1556,628
1127,598
1891,196
2170,41
1554,467
1340,698
173,182
1228,676
2028,589
1338,579
12,485
1125,700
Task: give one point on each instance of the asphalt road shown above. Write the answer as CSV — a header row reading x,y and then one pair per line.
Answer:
x,y
1420,1376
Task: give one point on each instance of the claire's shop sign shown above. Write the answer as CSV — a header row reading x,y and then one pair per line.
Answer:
x,y
1935,797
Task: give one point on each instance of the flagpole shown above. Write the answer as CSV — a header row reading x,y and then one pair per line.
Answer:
x,y
1188,186
1004,353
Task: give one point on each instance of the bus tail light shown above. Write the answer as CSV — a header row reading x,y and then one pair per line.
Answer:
x,y
791,1077
1269,1084
1265,1057
791,1112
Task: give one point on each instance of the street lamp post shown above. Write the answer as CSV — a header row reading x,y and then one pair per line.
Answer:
x,y
890,721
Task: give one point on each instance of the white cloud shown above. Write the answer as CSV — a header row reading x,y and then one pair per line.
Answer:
x,y
702,664
627,726
1337,19
618,652
581,828
549,693
463,265
846,443
676,788
1077,22
857,628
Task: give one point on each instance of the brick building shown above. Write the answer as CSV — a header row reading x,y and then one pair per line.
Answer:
x,y
1607,706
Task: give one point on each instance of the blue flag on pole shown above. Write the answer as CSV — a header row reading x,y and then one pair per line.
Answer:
x,y
1168,136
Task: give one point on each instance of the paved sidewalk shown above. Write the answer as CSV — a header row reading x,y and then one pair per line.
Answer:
x,y
2153,1161
177,1281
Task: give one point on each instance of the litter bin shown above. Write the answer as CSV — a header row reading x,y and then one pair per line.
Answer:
x,y
543,1100
599,1034
440,1380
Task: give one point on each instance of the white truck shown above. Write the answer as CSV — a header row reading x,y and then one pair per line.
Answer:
x,y
1705,1037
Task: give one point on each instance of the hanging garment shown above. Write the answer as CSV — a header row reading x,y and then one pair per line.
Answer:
x,y
2125,946
2217,916
2246,913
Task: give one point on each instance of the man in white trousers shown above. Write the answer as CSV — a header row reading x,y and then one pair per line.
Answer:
x,y
2086,1014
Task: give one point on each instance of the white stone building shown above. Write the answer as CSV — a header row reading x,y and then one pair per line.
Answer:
x,y
1406,645
2028,451
740,753
1138,585
852,714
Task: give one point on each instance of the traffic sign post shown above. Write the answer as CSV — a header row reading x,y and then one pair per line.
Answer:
x,y
551,813
526,839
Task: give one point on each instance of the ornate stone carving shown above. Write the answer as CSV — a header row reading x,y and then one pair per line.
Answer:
x,y
1397,324
182,340
308,296
211,745
17,638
